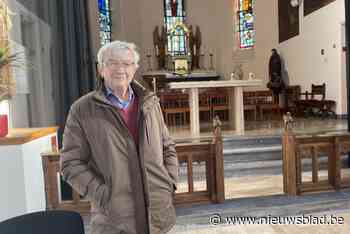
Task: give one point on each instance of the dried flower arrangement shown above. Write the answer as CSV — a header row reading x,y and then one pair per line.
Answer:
x,y
7,60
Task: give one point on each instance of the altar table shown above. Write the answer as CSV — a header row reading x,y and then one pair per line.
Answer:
x,y
235,100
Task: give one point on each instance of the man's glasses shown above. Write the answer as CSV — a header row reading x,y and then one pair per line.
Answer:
x,y
118,64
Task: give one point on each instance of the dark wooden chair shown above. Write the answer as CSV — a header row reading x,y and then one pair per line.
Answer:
x,y
325,106
265,101
175,107
220,103
292,96
316,102
205,107
249,102
318,92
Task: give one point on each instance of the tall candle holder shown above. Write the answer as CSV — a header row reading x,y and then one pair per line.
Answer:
x,y
202,62
211,61
149,65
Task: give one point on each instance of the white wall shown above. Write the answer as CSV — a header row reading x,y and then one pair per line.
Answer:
x,y
215,19
266,27
343,101
302,54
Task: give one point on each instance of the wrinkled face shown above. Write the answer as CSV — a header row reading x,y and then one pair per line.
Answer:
x,y
118,69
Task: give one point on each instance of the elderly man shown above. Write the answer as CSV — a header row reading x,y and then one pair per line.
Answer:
x,y
117,150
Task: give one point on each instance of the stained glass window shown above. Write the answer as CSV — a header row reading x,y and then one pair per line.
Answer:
x,y
245,19
105,21
174,12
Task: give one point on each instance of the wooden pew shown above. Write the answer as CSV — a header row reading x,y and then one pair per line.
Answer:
x,y
209,151
295,148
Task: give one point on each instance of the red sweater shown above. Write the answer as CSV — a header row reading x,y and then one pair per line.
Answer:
x,y
129,115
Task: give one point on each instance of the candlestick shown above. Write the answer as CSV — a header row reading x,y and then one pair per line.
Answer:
x,y
157,50
211,62
149,65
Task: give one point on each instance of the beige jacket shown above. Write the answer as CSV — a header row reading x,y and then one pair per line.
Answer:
x,y
99,156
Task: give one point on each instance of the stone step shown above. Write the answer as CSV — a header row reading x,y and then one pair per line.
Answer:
x,y
251,149
248,168
251,141
228,150
253,155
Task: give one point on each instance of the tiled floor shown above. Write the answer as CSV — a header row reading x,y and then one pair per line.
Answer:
x,y
276,229
255,187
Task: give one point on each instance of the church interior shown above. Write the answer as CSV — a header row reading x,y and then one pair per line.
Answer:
x,y
254,93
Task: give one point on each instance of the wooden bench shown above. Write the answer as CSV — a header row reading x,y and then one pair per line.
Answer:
x,y
296,148
208,151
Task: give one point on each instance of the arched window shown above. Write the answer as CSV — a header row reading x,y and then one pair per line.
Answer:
x,y
245,19
105,21
174,13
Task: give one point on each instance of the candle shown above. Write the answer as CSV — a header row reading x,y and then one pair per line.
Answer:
x,y
194,50
157,50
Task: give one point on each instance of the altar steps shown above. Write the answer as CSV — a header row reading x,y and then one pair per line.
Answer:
x,y
252,156
245,156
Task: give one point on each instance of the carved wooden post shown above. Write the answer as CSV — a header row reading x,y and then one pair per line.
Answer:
x,y
51,166
219,161
289,157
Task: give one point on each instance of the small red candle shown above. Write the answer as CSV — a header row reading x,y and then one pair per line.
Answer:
x,y
4,129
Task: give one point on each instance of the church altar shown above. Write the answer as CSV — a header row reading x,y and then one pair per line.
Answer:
x,y
193,76
159,79
236,114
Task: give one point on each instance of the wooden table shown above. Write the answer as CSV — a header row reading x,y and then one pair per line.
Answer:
x,y
235,100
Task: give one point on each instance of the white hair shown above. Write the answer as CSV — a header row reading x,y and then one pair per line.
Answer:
x,y
117,45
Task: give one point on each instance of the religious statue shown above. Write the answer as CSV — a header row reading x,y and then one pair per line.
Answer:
x,y
275,83
173,6
217,127
160,42
237,73
288,121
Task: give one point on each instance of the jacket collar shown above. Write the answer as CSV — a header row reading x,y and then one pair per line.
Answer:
x,y
147,99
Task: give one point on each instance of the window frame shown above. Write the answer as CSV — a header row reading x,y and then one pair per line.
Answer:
x,y
104,22
239,14
180,37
